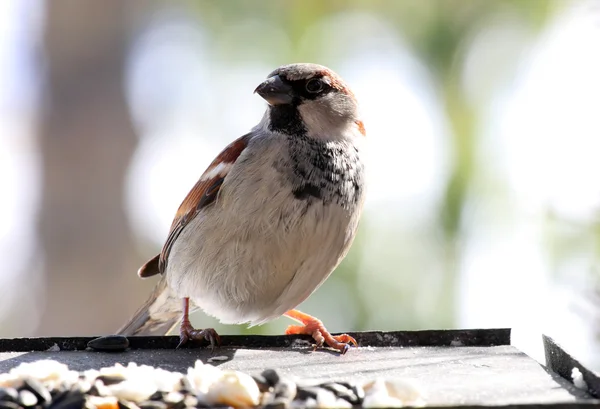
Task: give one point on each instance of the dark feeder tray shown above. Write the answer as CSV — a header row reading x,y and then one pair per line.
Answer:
x,y
454,368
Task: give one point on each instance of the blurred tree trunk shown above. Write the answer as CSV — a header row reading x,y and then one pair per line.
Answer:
x,y
87,141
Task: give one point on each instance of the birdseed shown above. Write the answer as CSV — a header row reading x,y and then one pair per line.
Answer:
x,y
50,384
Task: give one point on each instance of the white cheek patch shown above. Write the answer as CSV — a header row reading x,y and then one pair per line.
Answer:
x,y
219,170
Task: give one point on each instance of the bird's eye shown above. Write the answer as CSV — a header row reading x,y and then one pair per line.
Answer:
x,y
314,85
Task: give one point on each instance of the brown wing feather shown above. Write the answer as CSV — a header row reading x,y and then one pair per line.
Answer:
x,y
203,193
150,268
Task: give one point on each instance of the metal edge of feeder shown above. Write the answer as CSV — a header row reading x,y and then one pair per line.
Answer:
x,y
561,362
557,405
462,337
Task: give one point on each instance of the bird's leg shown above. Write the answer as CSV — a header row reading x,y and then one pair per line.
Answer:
x,y
315,328
187,332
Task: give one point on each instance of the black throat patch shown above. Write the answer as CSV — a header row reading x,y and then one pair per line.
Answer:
x,y
287,120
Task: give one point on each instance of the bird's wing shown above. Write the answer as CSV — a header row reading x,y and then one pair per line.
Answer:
x,y
203,194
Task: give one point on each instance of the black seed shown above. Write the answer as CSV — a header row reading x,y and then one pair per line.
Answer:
x,y
109,343
5,404
9,394
341,391
62,389
345,384
262,383
41,393
156,396
127,405
110,379
69,400
271,376
312,392
307,392
57,395
93,391
212,406
286,390
278,403
152,404
359,392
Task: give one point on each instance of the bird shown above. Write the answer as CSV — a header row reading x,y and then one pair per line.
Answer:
x,y
269,219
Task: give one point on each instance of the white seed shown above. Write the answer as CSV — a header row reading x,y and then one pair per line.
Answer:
x,y
218,358
141,381
381,400
115,370
202,376
135,389
10,380
190,401
578,381
91,375
102,388
400,391
166,381
341,403
27,398
234,388
174,397
45,370
405,390
83,386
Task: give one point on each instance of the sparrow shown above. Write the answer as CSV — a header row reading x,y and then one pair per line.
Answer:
x,y
269,219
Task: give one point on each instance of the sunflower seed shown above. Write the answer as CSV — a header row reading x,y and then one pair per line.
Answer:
x,y
109,343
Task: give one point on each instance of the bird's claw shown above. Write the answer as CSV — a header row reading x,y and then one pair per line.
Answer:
x,y
342,343
187,333
317,330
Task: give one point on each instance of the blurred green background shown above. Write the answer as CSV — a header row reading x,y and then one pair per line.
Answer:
x,y
483,120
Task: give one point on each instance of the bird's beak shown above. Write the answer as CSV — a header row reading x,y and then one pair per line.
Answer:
x,y
275,91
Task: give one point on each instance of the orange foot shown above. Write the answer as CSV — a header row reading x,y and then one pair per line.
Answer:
x,y
187,332
315,328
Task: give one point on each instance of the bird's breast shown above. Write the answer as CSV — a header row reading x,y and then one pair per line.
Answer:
x,y
285,217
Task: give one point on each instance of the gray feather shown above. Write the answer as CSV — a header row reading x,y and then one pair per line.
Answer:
x,y
157,316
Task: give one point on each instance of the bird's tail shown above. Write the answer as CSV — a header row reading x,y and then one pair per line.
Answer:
x,y
157,316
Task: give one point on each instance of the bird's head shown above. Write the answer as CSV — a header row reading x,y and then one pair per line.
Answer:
x,y
309,99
